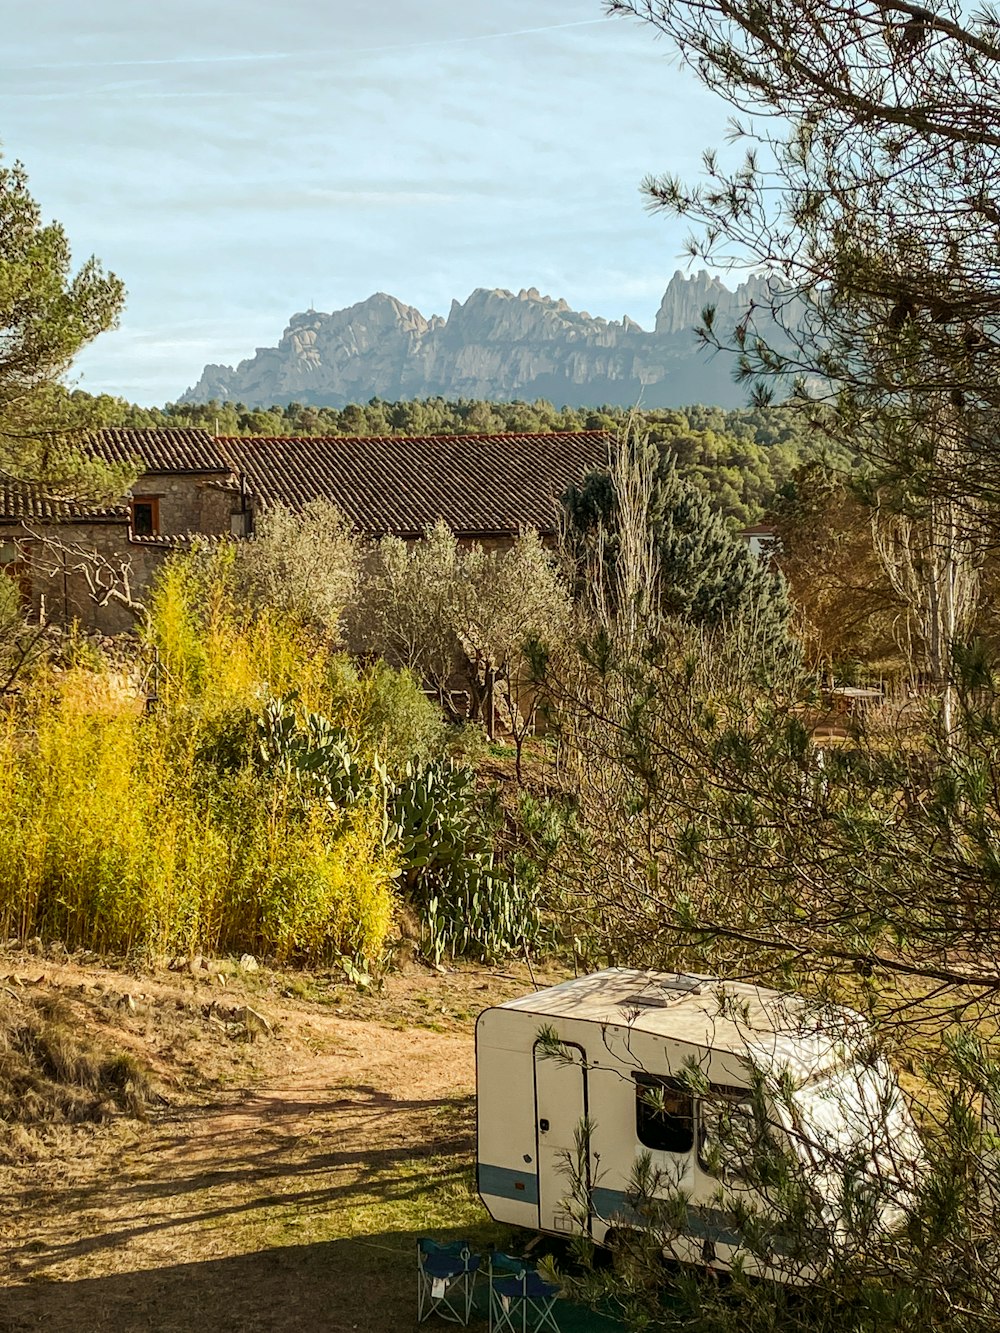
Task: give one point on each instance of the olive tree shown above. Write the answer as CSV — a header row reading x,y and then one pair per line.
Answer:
x,y
405,609
306,563
463,619
511,606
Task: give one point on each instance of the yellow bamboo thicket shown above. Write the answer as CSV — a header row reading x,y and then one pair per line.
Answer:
x,y
117,835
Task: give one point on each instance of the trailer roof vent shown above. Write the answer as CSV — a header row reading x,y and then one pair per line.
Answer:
x,y
680,986
679,981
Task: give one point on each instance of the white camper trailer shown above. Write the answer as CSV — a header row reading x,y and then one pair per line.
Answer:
x,y
614,1051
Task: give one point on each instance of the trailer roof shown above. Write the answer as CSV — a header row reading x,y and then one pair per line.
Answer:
x,y
772,1028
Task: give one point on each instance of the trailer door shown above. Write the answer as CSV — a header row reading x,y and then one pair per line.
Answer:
x,y
560,1127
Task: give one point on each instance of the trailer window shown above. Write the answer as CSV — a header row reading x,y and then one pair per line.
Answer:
x,y
727,1131
664,1114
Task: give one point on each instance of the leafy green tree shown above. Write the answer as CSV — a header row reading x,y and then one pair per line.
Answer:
x,y
463,618
261,421
305,564
405,609
47,315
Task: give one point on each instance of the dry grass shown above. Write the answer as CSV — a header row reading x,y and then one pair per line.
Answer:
x,y
282,1184
52,1075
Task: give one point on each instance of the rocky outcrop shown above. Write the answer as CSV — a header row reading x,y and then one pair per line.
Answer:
x,y
495,345
686,298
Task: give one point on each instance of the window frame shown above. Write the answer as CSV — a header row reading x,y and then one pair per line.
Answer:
x,y
646,1113
153,501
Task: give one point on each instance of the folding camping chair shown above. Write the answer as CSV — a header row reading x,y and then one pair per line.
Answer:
x,y
445,1277
521,1301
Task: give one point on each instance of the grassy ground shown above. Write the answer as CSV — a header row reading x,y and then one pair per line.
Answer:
x,y
284,1178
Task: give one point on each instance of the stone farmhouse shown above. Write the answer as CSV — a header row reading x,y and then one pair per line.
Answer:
x,y
194,485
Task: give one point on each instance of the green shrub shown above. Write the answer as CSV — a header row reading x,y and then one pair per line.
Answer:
x,y
117,835
432,821
468,904
390,715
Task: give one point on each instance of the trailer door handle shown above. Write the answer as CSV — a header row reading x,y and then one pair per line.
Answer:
x,y
543,1125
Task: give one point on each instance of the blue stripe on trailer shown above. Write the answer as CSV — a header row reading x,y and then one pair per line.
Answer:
x,y
502,1183
704,1223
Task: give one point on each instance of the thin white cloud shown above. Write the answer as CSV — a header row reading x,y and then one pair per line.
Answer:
x,y
522,32
262,57
398,198
109,93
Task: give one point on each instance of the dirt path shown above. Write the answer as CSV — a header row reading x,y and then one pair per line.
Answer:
x,y
291,1204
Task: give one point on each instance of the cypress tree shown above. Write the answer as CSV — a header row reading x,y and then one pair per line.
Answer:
x,y
707,574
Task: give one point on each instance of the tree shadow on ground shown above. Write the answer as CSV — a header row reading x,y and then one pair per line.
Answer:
x,y
366,1284
361,1285
228,1179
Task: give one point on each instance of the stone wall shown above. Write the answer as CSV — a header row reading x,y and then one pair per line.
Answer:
x,y
216,507
189,502
56,588
55,585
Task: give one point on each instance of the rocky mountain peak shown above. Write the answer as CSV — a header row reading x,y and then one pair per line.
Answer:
x,y
494,345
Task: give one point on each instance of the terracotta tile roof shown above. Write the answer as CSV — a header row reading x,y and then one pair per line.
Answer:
x,y
181,541
159,449
479,484
167,450
21,502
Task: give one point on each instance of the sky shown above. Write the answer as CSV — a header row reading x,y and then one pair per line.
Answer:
x,y
237,161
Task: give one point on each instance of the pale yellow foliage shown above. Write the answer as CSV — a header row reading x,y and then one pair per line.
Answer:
x,y
119,830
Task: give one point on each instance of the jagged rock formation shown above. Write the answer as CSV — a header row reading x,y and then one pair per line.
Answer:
x,y
685,299
495,346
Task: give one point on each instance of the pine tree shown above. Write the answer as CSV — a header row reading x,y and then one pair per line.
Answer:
x,y
47,314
